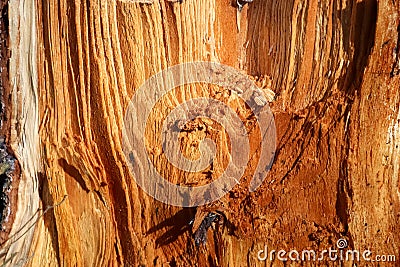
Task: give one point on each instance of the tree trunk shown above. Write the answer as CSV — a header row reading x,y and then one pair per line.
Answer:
x,y
74,67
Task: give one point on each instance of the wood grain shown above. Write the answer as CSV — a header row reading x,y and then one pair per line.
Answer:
x,y
332,65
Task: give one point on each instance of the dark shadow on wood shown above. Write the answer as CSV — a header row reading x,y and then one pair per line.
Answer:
x,y
74,173
174,226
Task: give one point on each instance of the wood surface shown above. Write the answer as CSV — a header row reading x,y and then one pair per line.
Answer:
x,y
334,67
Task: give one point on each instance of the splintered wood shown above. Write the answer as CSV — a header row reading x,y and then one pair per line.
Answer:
x,y
328,70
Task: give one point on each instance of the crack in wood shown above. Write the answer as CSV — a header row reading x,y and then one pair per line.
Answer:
x,y
396,64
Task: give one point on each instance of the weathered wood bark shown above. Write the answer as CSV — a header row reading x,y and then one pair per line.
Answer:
x,y
333,65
